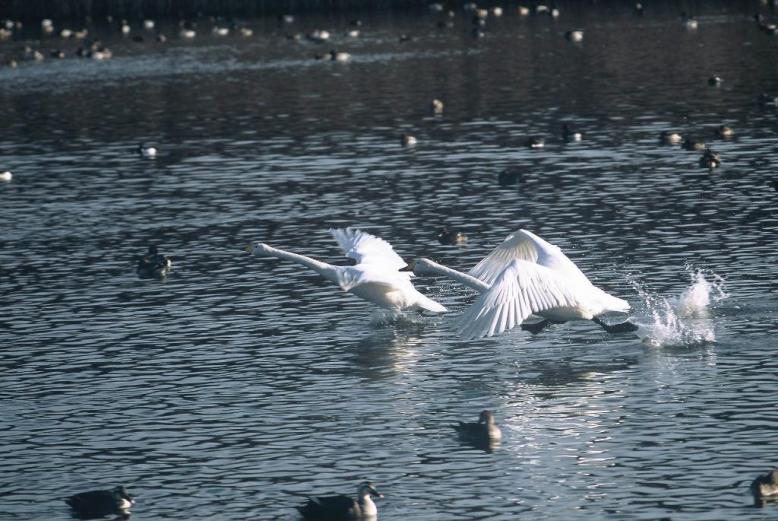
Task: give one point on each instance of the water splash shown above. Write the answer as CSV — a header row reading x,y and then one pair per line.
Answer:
x,y
684,320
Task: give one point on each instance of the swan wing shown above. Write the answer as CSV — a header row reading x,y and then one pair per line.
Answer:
x,y
349,277
526,246
367,249
521,289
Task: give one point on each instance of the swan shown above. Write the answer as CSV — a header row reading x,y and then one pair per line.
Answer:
x,y
525,275
99,503
376,277
343,507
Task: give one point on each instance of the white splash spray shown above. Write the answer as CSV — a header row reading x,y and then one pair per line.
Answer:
x,y
685,320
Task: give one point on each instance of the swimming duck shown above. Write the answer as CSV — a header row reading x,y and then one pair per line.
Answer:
x,y
100,503
6,176
343,507
536,142
725,132
715,81
436,106
693,144
376,277
765,487
452,237
574,35
144,151
408,140
688,21
570,135
525,275
482,430
339,56
154,265
710,160
670,138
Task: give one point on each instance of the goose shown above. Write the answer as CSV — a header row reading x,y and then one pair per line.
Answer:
x,y
525,275
100,503
484,430
343,507
154,265
765,487
376,277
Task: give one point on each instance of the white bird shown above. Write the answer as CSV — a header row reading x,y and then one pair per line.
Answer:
x,y
524,276
147,151
6,176
376,277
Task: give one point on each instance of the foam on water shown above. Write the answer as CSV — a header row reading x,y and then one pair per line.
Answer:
x,y
684,320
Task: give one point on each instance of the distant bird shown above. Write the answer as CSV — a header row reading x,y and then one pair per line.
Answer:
x,y
569,134
287,18
693,144
536,142
220,30
376,277
639,9
318,35
408,140
161,38
484,430
153,264
767,99
148,24
710,160
497,11
125,27
765,487
523,10
575,35
525,275
339,56
100,503
437,106
147,151
343,507
689,21
451,237
6,176
715,81
670,138
187,34
725,132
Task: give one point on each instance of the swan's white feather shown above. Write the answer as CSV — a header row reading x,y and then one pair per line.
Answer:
x,y
520,290
525,245
367,249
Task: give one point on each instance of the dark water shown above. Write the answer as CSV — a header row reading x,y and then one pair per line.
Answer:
x,y
238,385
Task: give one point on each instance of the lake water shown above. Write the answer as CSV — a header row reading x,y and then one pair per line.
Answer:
x,y
239,385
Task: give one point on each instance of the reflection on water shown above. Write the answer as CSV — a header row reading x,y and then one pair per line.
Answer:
x,y
237,386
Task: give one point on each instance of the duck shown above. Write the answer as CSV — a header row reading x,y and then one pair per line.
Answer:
x,y
670,138
318,36
484,430
148,24
100,503
570,135
408,140
437,106
725,132
536,142
339,56
574,35
153,264
693,144
187,34
376,277
525,275
147,151
715,81
451,237
710,160
689,21
6,176
343,507
246,32
765,487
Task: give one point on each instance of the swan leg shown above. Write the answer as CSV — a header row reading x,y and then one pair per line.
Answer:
x,y
536,327
624,327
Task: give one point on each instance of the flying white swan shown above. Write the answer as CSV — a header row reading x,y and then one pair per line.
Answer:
x,y
376,277
524,276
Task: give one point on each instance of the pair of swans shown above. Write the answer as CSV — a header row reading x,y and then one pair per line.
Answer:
x,y
522,276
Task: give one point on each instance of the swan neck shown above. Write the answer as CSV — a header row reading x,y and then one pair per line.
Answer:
x,y
424,266
322,268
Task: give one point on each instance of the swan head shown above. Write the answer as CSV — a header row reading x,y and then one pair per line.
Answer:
x,y
421,267
259,248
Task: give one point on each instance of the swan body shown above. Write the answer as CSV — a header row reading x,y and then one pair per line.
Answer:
x,y
376,277
523,276
343,507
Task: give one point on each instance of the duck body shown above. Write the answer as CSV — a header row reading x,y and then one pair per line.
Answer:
x,y
100,503
147,151
376,277
765,487
154,265
483,430
670,138
342,507
523,276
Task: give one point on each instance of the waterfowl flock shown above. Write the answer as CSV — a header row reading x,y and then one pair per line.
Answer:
x,y
521,277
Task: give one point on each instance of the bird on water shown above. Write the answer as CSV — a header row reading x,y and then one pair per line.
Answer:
x,y
342,507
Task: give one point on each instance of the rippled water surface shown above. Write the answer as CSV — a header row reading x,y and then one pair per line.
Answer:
x,y
239,385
